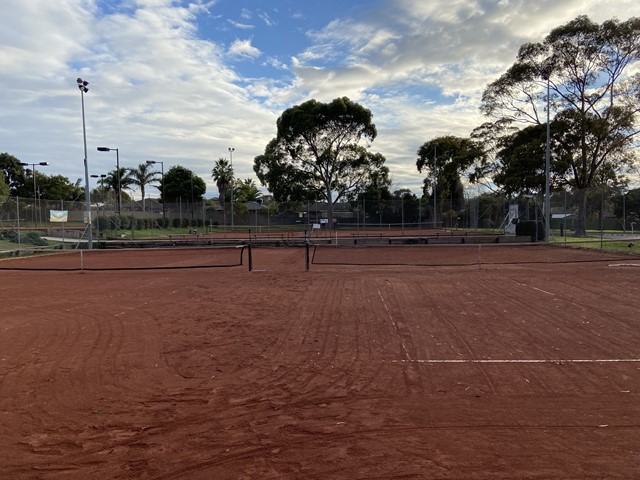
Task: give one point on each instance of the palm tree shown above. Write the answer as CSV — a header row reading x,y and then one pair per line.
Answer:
x,y
247,190
142,176
222,174
125,182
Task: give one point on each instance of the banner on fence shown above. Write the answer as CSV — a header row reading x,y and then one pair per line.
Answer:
x,y
58,216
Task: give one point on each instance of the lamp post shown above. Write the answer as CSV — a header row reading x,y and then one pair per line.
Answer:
x,y
231,150
435,186
107,149
153,162
547,171
624,212
101,177
82,86
33,172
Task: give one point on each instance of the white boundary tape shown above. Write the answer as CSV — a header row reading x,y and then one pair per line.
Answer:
x,y
625,265
557,361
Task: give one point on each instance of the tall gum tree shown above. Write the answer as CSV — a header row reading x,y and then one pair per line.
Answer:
x,y
591,74
318,152
445,160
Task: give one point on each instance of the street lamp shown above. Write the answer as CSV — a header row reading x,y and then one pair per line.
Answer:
x,y
231,150
82,86
107,149
435,187
547,168
33,172
101,177
624,212
153,162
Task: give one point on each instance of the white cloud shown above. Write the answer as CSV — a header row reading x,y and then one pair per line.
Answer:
x,y
243,49
241,26
268,21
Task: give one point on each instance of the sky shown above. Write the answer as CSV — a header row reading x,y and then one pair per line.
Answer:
x,y
181,82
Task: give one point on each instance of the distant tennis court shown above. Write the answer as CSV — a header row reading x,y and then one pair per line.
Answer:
x,y
458,255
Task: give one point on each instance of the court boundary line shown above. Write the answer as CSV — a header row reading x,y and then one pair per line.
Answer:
x,y
541,360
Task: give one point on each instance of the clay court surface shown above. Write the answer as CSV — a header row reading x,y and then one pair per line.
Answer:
x,y
505,371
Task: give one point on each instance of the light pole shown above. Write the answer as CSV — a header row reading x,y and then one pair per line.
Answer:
x,y
107,149
624,212
82,86
231,150
435,186
33,172
153,162
101,177
547,171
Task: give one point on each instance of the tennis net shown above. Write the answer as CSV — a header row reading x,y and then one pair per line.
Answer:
x,y
457,255
127,259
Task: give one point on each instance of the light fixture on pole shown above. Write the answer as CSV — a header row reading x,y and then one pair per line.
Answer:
x,y
35,194
231,150
101,177
153,162
107,149
82,86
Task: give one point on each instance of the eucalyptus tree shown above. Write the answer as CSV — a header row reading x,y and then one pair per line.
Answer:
x,y
588,75
180,183
321,150
12,172
444,160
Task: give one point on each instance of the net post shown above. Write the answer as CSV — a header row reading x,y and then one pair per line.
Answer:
x,y
306,255
250,258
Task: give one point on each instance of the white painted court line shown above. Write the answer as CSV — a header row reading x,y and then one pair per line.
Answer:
x,y
395,327
535,288
543,291
558,360
624,265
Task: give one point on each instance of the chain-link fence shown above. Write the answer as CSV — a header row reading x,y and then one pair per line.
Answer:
x,y
585,210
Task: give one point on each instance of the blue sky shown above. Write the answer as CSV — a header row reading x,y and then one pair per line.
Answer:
x,y
182,81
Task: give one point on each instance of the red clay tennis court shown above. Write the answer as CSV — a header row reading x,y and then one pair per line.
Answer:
x,y
507,371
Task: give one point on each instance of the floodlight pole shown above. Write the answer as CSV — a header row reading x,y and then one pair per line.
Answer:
x,y
435,185
33,172
231,150
82,86
547,188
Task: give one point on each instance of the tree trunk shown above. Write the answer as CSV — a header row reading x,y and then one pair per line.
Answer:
x,y
330,208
